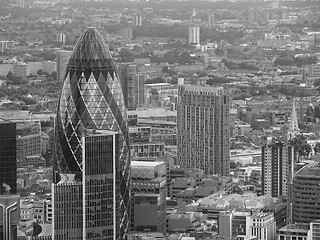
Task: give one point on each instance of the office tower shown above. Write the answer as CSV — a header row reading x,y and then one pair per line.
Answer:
x,y
149,194
203,128
61,38
8,156
194,35
293,130
137,20
9,201
305,194
63,57
86,214
277,168
132,84
211,21
91,98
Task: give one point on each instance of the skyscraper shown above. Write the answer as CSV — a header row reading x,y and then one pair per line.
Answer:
x,y
194,35
132,85
305,194
63,57
9,201
277,165
203,129
8,156
91,100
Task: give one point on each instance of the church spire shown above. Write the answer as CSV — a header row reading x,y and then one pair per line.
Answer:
x,y
293,125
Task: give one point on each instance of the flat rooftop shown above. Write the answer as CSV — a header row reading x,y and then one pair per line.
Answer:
x,y
67,178
152,113
145,164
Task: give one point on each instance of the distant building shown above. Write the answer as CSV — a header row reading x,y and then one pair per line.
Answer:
x,y
294,231
211,21
194,35
21,3
203,129
126,33
137,20
233,224
61,38
147,149
132,84
148,196
20,69
277,168
3,46
63,57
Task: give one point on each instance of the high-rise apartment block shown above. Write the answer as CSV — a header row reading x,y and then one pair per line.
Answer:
x,y
149,194
194,35
137,20
211,21
63,57
126,33
92,192
61,38
203,128
132,84
3,46
277,168
21,3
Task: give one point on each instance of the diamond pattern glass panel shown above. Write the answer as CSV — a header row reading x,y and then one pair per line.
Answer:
x,y
91,98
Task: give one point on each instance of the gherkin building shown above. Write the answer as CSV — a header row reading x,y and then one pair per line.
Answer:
x,y
92,99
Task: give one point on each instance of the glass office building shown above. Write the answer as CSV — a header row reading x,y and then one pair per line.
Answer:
x,y
8,156
92,99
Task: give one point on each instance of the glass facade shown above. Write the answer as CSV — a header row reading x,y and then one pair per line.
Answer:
x,y
91,98
8,156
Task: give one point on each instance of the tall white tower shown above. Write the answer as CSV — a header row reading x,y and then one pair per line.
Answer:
x,y
194,34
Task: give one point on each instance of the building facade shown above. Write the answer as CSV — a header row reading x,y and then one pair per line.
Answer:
x,y
305,194
91,100
148,196
277,168
194,35
132,84
203,129
8,156
63,57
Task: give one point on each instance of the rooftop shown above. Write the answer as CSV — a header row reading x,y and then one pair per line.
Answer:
x,y
145,164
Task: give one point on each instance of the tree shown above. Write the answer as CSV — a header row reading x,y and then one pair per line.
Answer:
x,y
301,147
10,76
317,148
154,91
